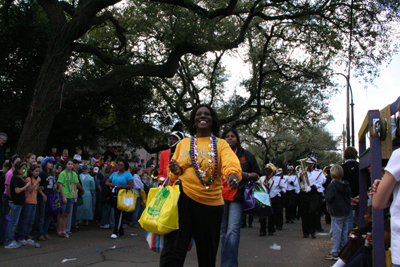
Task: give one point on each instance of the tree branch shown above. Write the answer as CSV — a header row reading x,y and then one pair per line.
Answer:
x,y
85,48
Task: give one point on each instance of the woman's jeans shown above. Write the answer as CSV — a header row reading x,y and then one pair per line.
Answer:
x,y
12,222
43,218
137,212
107,215
27,220
230,233
339,227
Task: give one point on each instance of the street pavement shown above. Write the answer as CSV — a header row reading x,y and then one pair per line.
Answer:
x,y
92,246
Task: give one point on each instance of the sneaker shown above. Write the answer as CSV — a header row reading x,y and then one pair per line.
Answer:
x,y
65,234
30,242
106,226
13,244
331,257
23,242
114,236
42,238
48,237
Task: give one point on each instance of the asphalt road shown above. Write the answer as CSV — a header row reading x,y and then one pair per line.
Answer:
x,y
92,246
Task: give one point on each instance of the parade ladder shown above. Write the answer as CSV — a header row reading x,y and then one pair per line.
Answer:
x,y
378,125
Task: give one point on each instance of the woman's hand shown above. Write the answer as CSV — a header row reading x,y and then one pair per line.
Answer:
x,y
232,181
174,167
44,199
64,200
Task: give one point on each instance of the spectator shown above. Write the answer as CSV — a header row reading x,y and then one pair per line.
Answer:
x,y
64,155
16,191
142,164
54,153
78,155
85,211
137,186
3,140
46,186
110,155
151,162
107,214
98,178
71,221
29,208
30,158
387,194
67,185
350,168
119,180
6,168
338,196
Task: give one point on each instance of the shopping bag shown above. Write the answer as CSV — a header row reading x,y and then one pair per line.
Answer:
x,y
54,205
161,213
143,197
126,200
256,200
156,242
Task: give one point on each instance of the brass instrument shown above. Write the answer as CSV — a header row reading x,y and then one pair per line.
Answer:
x,y
326,170
154,174
302,176
270,168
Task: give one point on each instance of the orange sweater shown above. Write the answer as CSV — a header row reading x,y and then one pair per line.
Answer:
x,y
228,163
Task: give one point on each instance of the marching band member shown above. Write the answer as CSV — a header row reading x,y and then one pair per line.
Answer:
x,y
277,187
310,196
293,188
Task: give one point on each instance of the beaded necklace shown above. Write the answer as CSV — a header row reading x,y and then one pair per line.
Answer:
x,y
194,155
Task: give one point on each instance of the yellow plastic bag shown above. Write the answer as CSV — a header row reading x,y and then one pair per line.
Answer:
x,y
126,200
143,197
161,214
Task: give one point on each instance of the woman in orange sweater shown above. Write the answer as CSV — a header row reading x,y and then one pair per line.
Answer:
x,y
199,163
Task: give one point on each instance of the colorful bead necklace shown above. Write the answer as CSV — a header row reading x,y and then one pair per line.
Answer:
x,y
194,154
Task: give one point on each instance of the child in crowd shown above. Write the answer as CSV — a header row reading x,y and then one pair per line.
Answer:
x,y
17,200
29,208
387,194
54,153
78,155
64,155
338,196
67,186
356,240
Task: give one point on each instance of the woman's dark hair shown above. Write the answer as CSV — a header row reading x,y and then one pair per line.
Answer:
x,y
30,171
28,156
225,133
13,158
7,165
215,127
124,161
368,210
108,169
66,161
350,153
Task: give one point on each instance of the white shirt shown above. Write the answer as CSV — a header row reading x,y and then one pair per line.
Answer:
x,y
317,178
276,185
393,167
78,157
292,178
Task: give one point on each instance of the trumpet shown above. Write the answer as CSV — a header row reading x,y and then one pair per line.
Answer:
x,y
302,176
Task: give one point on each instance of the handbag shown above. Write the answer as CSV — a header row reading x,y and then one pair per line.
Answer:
x,y
126,200
256,200
143,197
54,206
156,242
161,213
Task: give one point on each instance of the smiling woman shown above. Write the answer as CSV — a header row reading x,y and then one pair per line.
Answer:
x,y
199,163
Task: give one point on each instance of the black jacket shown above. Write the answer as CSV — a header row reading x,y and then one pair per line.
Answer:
x,y
338,196
351,174
249,164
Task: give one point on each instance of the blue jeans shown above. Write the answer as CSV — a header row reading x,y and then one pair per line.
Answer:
x,y
105,214
43,218
27,220
339,227
136,212
352,215
4,210
12,222
230,233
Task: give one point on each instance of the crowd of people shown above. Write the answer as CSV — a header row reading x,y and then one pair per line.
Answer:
x,y
203,166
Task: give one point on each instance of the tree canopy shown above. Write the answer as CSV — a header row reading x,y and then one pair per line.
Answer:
x,y
97,52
